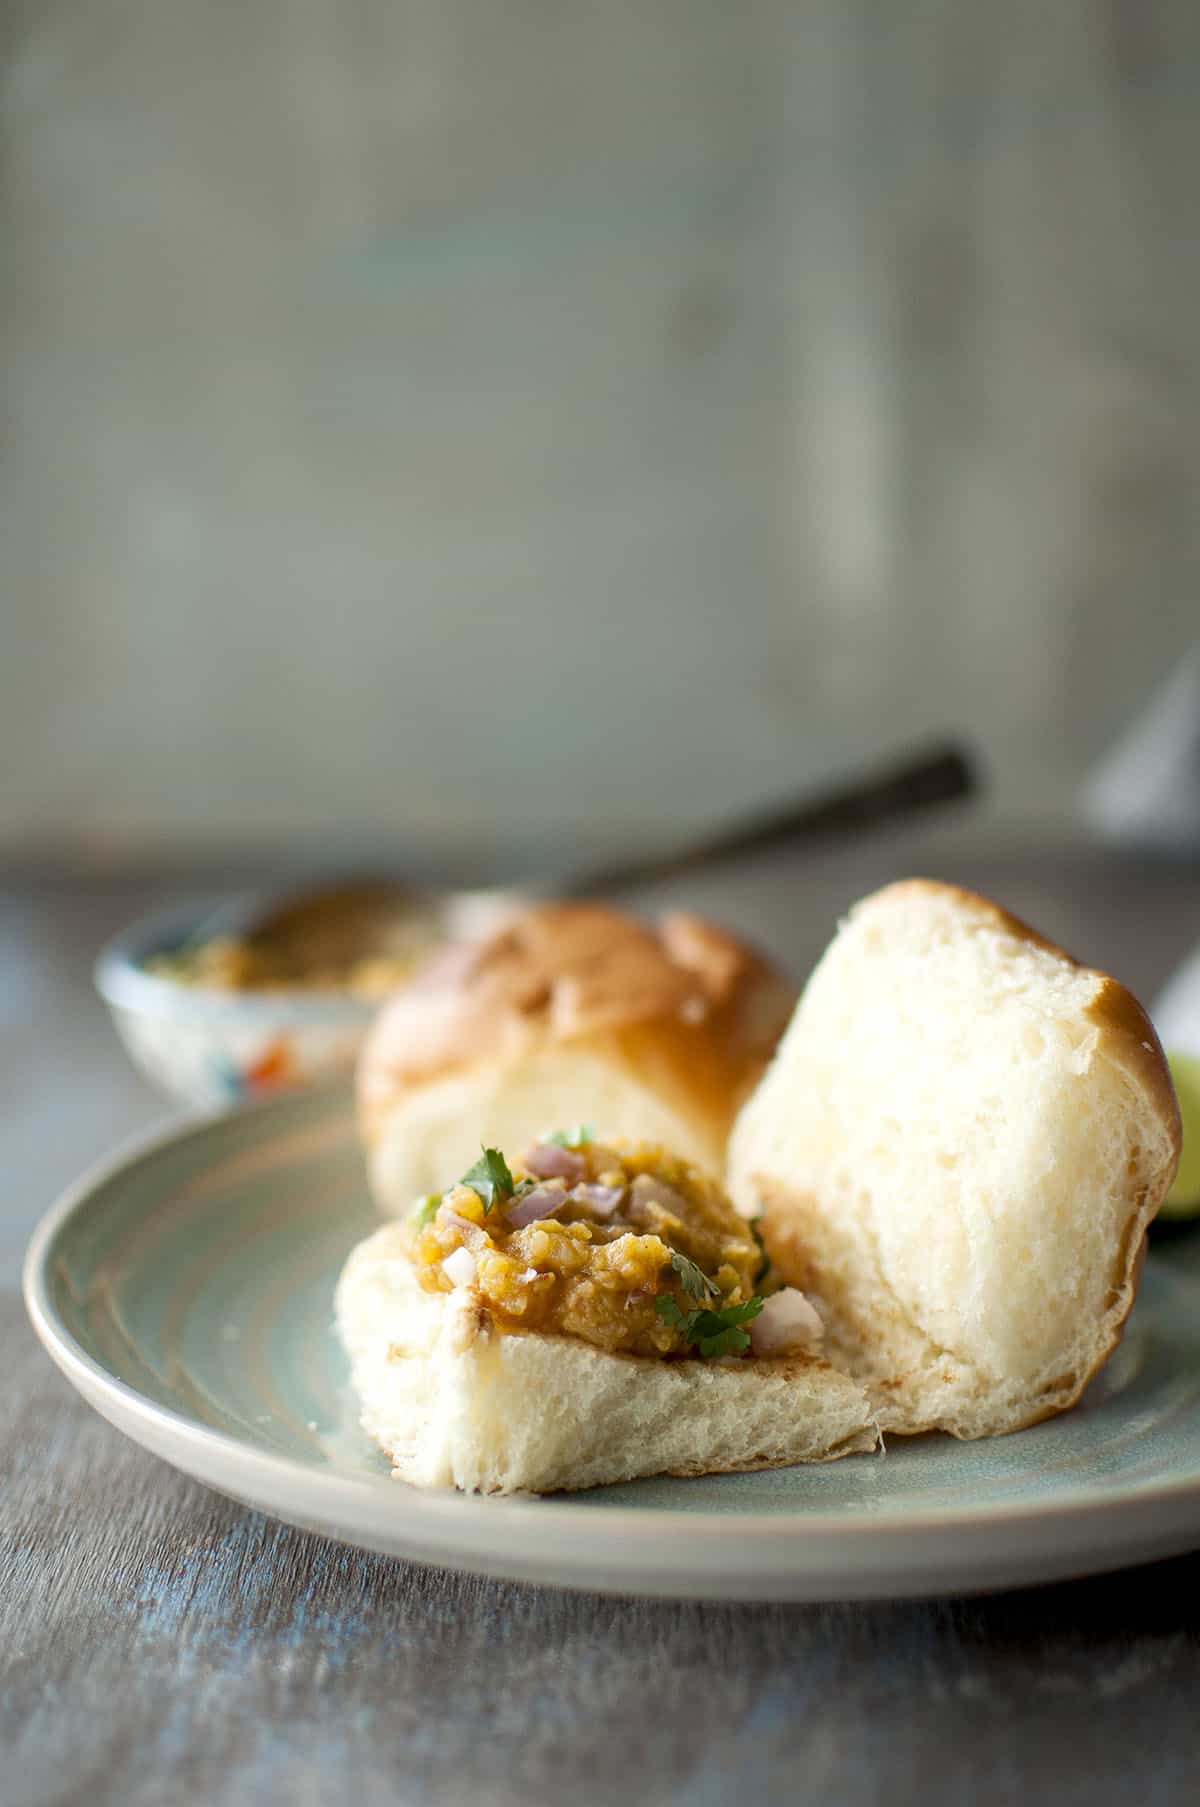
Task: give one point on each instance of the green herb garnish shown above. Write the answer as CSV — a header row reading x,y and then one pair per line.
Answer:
x,y
765,1264
695,1283
489,1179
577,1137
712,1332
424,1210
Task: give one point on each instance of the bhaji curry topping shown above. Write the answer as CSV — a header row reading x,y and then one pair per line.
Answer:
x,y
629,1248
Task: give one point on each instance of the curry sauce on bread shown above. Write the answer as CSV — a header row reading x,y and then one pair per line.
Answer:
x,y
587,1314
592,1241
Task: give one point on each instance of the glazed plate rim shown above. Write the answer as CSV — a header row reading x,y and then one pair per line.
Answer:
x,y
892,1552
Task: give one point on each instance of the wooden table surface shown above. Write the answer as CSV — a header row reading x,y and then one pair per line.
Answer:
x,y
161,1644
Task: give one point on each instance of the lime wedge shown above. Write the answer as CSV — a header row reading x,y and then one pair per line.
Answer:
x,y
1183,1200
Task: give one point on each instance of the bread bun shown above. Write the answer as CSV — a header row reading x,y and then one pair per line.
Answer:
x,y
958,1148
457,1403
569,1011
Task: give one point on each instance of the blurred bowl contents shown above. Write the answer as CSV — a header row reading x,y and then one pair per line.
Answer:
x,y
216,1005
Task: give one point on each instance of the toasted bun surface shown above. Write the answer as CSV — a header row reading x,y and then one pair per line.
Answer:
x,y
456,1403
568,1012
958,1147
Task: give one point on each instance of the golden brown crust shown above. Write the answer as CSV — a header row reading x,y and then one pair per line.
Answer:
x,y
1134,1045
696,1008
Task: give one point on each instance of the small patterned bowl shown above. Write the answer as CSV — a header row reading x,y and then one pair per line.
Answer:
x,y
208,1048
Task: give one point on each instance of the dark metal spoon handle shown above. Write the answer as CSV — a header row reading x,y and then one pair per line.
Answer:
x,y
941,774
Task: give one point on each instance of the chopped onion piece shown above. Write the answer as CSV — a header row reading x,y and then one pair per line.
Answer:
x,y
600,1201
650,1191
547,1161
531,1207
459,1267
462,1224
787,1321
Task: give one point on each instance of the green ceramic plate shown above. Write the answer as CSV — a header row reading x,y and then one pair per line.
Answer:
x,y
186,1290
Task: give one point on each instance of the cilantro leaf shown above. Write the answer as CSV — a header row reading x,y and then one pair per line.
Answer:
x,y
765,1264
738,1314
424,1210
720,1332
731,1341
489,1179
713,1333
576,1137
694,1281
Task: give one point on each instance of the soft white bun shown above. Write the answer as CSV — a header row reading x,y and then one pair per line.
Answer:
x,y
958,1147
569,1012
456,1403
